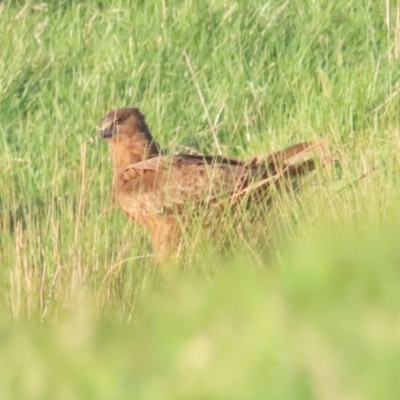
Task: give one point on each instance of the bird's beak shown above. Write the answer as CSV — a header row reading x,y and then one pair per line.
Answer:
x,y
107,132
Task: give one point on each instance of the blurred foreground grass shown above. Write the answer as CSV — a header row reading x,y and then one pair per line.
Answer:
x,y
308,307
323,323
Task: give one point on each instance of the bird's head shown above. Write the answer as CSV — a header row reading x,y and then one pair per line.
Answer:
x,y
124,124
126,128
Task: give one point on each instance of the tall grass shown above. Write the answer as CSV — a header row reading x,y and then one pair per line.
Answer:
x,y
307,307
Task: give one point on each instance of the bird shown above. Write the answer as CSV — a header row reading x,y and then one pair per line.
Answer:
x,y
162,191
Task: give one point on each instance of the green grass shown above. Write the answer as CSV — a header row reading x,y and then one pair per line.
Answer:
x,y
306,308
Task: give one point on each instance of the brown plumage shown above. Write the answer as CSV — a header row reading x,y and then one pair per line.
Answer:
x,y
159,191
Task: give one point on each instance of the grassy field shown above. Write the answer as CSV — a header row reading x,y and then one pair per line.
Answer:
x,y
307,308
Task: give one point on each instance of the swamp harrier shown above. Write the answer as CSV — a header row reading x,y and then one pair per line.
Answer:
x,y
159,191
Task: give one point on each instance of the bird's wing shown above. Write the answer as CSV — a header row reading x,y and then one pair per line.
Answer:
x,y
165,185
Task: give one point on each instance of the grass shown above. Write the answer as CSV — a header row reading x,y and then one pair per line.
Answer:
x,y
307,308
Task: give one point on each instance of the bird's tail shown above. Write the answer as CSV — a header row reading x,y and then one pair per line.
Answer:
x,y
298,160
281,167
